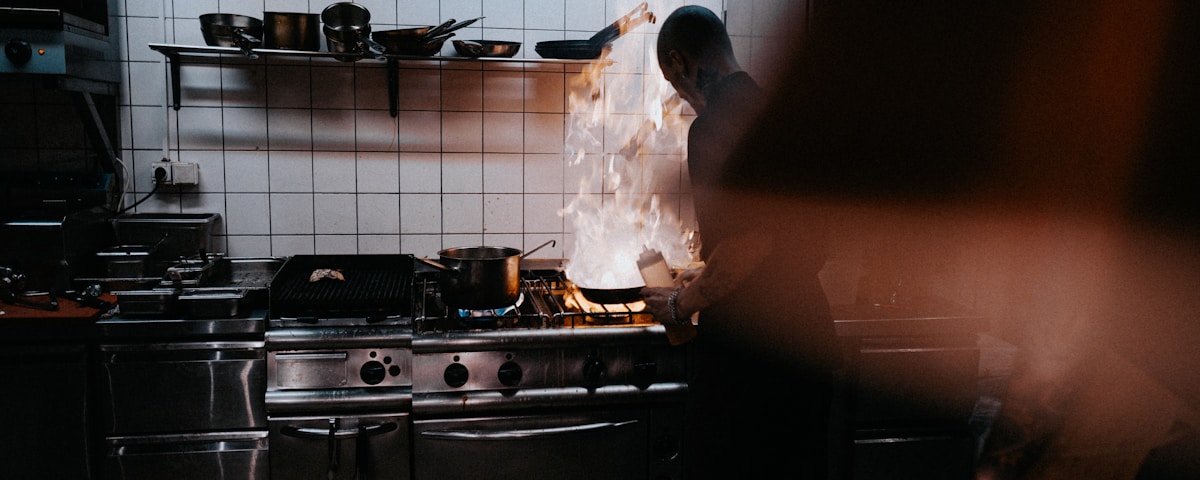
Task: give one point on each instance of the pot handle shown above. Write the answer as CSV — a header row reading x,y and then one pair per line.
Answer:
x,y
539,247
245,42
436,265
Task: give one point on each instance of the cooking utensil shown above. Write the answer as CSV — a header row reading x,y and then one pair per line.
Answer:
x,y
612,295
594,46
480,278
486,48
232,30
348,30
403,42
448,27
375,286
291,31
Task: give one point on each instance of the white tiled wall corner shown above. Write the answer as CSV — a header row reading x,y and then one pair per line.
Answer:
x,y
302,156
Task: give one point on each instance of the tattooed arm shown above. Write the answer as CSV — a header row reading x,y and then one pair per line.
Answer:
x,y
731,263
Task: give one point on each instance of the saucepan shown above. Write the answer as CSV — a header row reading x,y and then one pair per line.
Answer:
x,y
348,30
232,30
291,31
480,278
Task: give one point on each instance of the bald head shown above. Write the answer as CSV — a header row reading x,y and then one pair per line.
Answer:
x,y
694,52
695,31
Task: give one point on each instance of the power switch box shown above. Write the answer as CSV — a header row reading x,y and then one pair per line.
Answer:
x,y
184,173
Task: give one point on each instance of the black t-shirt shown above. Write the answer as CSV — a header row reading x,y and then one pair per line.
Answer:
x,y
781,310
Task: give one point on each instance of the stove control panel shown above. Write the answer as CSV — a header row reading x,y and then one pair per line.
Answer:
x,y
586,367
356,367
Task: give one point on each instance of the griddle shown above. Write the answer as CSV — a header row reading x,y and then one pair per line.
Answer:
x,y
374,286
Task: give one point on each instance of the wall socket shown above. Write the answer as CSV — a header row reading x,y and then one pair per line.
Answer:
x,y
176,173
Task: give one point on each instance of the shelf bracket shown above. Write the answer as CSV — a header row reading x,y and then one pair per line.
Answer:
x,y
173,61
393,86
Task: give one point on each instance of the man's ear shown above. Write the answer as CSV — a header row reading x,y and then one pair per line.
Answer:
x,y
678,62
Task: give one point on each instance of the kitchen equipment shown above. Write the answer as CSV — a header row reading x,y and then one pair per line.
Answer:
x,y
158,301
52,249
232,30
194,402
404,42
375,290
480,278
182,386
612,295
291,31
128,261
178,235
212,303
339,374
486,48
549,388
593,47
348,30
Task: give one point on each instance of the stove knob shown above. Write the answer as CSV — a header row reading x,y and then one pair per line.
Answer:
x,y
509,374
594,372
644,373
372,372
456,375
18,52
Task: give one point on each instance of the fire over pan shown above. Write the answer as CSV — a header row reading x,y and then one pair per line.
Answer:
x,y
480,278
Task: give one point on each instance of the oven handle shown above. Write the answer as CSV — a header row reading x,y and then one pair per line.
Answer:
x,y
522,434
340,434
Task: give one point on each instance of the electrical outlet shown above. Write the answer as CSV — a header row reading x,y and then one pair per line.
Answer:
x,y
161,169
176,173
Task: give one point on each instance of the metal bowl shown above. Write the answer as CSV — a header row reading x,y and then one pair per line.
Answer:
x,y
486,48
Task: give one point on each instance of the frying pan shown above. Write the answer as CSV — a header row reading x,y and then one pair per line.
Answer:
x,y
594,46
610,296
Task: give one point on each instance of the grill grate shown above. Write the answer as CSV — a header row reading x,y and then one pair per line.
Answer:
x,y
374,285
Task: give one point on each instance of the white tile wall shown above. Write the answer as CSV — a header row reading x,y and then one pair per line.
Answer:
x,y
301,156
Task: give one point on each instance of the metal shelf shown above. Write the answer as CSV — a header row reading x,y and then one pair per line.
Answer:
x,y
175,54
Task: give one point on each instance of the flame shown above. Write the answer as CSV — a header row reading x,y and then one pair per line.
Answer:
x,y
623,110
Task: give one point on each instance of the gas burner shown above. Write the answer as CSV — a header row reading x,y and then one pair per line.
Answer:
x,y
513,309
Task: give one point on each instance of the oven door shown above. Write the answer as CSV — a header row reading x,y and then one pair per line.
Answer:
x,y
183,387
614,444
360,447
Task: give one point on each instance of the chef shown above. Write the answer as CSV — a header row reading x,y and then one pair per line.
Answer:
x,y
761,389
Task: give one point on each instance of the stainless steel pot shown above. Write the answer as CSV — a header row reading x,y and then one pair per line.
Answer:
x,y
480,278
291,31
231,30
348,30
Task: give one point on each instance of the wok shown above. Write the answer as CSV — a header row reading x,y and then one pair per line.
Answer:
x,y
480,278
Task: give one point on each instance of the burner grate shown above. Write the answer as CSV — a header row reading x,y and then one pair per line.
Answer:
x,y
549,301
